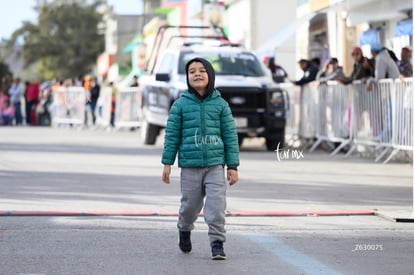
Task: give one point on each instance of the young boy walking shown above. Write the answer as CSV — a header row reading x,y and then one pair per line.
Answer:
x,y
201,129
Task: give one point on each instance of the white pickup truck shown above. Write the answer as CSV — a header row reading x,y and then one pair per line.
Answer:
x,y
257,104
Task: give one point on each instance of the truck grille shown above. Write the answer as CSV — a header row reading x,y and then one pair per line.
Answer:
x,y
242,99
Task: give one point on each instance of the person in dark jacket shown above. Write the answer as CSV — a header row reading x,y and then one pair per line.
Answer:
x,y
363,68
278,73
310,72
95,92
201,129
331,71
404,65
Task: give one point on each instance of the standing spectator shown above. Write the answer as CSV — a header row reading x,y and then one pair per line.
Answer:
x,y
134,82
113,103
309,72
87,82
3,98
404,65
385,65
317,62
43,109
16,92
7,114
95,92
265,61
202,155
363,68
78,82
26,86
5,84
32,99
87,85
331,71
278,73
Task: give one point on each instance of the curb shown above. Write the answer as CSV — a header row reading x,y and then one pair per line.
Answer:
x,y
401,217
174,214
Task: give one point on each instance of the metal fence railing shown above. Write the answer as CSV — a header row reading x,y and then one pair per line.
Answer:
x,y
380,117
68,106
104,107
400,114
292,112
115,108
128,107
333,115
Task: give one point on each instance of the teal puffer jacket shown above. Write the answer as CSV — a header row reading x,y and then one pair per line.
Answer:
x,y
203,133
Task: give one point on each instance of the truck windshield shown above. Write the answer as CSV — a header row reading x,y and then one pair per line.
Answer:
x,y
226,63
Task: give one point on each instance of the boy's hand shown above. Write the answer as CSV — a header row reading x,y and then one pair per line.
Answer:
x,y
232,176
166,173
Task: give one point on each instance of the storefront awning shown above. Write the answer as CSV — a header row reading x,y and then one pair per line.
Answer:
x,y
379,10
131,45
404,27
285,34
369,37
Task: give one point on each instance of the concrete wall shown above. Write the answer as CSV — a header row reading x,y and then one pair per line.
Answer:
x,y
256,22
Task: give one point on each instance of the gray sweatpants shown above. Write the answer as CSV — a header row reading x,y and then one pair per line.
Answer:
x,y
197,183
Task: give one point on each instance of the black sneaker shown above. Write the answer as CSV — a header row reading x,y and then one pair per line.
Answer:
x,y
185,241
217,251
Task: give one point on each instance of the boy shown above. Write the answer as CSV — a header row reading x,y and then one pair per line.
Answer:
x,y
201,128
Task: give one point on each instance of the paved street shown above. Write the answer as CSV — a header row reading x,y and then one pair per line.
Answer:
x,y
85,172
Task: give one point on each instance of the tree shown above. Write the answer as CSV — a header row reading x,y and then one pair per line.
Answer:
x,y
65,40
4,70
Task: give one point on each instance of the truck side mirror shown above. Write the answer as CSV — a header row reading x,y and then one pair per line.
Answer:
x,y
162,77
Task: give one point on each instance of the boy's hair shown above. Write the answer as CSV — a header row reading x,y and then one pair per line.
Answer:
x,y
210,72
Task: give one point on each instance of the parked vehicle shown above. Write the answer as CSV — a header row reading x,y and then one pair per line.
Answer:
x,y
257,104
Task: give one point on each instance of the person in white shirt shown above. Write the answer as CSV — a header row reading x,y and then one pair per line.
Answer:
x,y
16,92
385,67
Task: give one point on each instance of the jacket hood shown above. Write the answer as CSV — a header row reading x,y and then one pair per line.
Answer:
x,y
211,77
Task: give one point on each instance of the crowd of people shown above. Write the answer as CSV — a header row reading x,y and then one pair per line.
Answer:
x,y
31,103
36,98
383,64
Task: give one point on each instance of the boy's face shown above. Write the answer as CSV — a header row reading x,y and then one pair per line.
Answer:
x,y
197,76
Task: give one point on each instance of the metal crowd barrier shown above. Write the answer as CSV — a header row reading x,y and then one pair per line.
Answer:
x,y
103,108
301,109
371,116
308,111
292,112
69,106
402,120
333,115
380,117
128,107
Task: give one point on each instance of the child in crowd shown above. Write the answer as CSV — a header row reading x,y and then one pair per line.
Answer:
x,y
7,113
3,98
201,129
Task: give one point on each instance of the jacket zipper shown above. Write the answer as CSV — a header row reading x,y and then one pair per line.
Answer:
x,y
203,132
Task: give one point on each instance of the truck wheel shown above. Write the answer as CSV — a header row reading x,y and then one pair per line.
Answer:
x,y
149,132
273,142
